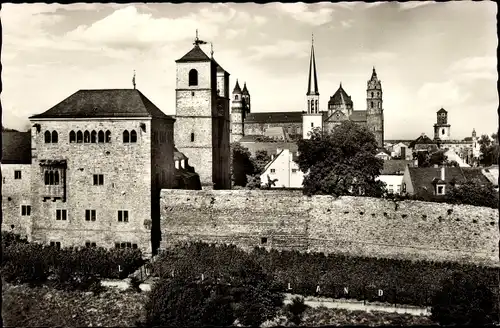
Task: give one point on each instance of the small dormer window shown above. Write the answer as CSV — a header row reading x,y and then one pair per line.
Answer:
x,y
440,190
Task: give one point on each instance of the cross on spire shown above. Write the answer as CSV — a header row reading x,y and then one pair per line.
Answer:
x,y
197,41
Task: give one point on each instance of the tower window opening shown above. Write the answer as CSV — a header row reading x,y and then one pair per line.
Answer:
x,y
100,137
371,103
133,136
442,131
372,94
316,107
312,125
126,136
236,97
192,136
72,137
79,137
193,77
192,94
54,137
47,136
93,137
108,136
86,137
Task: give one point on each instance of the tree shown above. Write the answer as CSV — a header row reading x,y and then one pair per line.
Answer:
x,y
489,150
262,158
462,301
242,164
342,162
473,192
295,310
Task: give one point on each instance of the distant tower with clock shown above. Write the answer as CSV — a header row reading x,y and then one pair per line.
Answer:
x,y
202,127
442,128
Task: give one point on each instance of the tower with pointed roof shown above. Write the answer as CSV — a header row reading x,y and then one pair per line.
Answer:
x,y
246,100
202,127
442,128
237,129
313,118
375,109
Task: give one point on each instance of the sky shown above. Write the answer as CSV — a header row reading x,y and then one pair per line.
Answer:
x,y
428,55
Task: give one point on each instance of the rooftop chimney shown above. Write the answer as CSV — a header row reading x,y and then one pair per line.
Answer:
x,y
442,173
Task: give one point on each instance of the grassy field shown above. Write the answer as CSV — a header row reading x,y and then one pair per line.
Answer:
x,y
43,306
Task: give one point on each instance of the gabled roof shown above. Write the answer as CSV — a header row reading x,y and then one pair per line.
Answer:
x,y
395,166
340,97
442,110
272,160
194,55
358,116
104,103
424,178
422,140
274,117
16,147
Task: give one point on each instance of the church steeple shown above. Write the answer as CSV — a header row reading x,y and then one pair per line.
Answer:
x,y
312,88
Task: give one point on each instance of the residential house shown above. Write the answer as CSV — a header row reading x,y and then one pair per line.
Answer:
x,y
282,171
401,151
392,174
383,154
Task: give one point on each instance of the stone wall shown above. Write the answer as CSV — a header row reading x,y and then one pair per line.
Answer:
x,y
16,193
349,225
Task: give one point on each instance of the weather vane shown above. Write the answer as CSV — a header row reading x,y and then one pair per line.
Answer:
x,y
198,41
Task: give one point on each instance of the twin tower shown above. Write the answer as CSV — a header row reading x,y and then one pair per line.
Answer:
x,y
340,108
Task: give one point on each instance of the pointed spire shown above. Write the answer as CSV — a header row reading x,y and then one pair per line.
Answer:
x,y
374,74
133,80
245,90
237,88
312,88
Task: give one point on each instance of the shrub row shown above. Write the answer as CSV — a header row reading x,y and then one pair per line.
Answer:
x,y
24,262
402,281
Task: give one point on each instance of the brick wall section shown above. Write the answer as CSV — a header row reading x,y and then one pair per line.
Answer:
x,y
349,225
127,170
16,192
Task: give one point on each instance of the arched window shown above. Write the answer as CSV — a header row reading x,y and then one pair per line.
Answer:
x,y
126,136
54,137
108,136
371,104
372,94
193,77
47,136
236,97
56,178
79,137
47,179
72,137
192,136
133,136
317,107
51,178
93,137
86,137
100,137
312,106
309,105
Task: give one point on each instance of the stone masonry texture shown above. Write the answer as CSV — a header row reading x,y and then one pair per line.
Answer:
x,y
348,225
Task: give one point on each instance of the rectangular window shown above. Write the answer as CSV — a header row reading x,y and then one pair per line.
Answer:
x,y
440,190
312,125
98,179
17,175
25,210
61,215
122,216
294,170
56,244
89,215
90,244
126,245
273,170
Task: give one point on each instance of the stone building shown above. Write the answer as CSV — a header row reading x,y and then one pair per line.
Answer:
x,y
98,162
202,127
300,124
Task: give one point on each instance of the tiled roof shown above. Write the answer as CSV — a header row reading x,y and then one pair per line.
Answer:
x,y
395,166
422,140
16,147
336,99
250,138
471,173
358,116
194,55
422,178
276,132
104,103
274,117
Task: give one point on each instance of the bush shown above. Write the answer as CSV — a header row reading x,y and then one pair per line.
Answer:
x,y
463,301
295,310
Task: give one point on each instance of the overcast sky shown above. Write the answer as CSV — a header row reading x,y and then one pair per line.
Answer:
x,y
428,55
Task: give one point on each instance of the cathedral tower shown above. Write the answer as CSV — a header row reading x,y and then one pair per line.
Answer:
x,y
246,100
375,110
442,128
237,113
202,127
313,118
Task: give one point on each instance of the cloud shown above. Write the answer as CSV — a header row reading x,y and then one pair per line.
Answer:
x,y
442,94
413,4
347,23
373,58
302,13
475,68
280,49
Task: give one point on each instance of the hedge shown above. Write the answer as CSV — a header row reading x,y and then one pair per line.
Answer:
x,y
24,262
402,281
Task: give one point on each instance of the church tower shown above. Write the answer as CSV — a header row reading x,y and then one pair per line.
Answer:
x,y
313,118
246,100
375,109
237,113
442,128
202,126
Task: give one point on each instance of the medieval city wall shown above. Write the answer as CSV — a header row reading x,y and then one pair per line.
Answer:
x,y
349,225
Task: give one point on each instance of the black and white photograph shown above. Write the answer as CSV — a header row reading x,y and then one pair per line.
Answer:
x,y
249,164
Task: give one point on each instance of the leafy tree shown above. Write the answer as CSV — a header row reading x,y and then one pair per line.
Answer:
x,y
295,310
261,160
342,162
463,301
473,192
242,164
494,137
